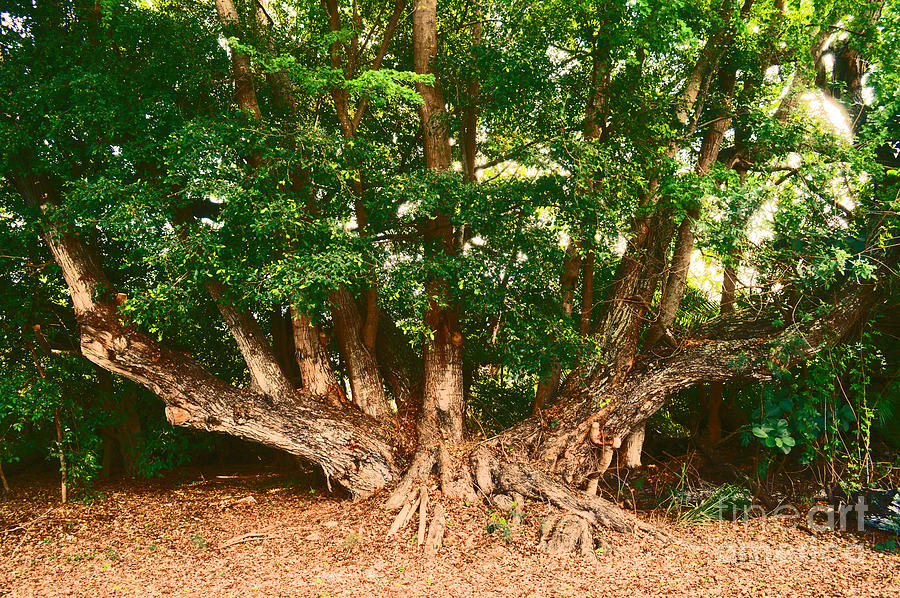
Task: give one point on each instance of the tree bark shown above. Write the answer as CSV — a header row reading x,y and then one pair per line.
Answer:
x,y
400,366
587,292
619,406
5,485
714,407
316,371
125,434
244,90
680,265
366,389
633,446
357,336
470,113
443,404
265,373
283,344
352,449
63,466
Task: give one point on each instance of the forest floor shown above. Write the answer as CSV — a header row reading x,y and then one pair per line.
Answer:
x,y
261,533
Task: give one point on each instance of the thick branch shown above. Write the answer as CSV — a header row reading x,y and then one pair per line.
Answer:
x,y
349,447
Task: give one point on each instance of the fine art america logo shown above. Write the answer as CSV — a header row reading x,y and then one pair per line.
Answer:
x,y
878,510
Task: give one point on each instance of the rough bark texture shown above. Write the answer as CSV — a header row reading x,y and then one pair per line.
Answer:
x,y
587,293
283,344
244,92
443,404
316,372
4,489
635,282
737,347
265,373
633,446
366,389
351,449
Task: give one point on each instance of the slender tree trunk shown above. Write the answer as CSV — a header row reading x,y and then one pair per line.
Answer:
x,y
244,91
470,114
634,285
63,467
265,373
726,306
400,366
283,344
587,292
549,383
357,336
680,265
6,490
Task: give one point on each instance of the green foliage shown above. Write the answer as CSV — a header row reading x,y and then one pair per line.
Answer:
x,y
827,410
131,117
498,404
694,506
498,525
199,542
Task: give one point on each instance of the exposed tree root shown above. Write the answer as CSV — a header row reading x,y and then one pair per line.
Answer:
x,y
568,534
537,485
506,486
423,514
456,477
418,472
436,532
406,513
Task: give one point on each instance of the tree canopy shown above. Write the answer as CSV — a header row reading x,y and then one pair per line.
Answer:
x,y
367,232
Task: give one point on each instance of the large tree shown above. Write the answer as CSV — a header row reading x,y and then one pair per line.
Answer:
x,y
432,185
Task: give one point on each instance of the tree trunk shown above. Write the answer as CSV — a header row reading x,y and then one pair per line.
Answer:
x,y
125,434
316,371
353,449
283,344
443,404
400,366
587,292
366,389
5,487
714,406
244,91
63,467
634,285
549,383
265,373
470,113
633,446
676,283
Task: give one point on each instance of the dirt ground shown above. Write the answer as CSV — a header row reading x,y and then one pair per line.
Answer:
x,y
265,534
